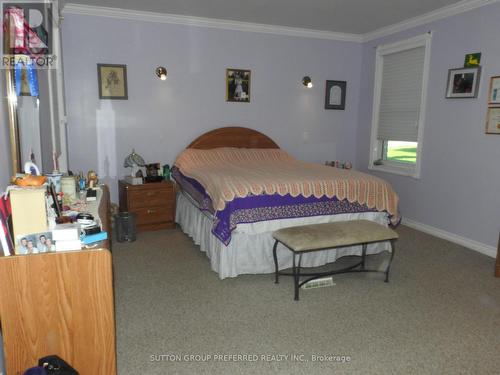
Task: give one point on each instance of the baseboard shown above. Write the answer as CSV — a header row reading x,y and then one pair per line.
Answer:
x,y
482,248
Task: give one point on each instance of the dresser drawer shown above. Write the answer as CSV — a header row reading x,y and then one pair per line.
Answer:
x,y
150,198
154,215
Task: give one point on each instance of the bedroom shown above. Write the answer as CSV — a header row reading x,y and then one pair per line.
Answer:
x,y
455,197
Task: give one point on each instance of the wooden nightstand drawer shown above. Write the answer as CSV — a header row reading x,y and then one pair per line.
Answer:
x,y
154,215
150,198
153,203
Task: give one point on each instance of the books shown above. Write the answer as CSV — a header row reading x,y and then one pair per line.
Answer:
x,y
66,232
91,238
68,245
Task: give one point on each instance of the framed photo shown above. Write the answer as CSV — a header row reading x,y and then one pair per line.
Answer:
x,y
112,80
335,94
463,82
238,85
472,59
493,120
494,92
34,243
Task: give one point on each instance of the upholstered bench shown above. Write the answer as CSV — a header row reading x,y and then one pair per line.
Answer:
x,y
316,237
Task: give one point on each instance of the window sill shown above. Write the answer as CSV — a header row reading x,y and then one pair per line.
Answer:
x,y
396,168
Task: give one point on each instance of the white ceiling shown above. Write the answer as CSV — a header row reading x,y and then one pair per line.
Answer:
x,y
343,16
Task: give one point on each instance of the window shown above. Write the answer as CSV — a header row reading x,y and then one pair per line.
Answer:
x,y
401,74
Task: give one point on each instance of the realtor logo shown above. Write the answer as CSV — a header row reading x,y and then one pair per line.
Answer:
x,y
27,33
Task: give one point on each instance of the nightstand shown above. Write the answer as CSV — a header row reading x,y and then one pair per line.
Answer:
x,y
153,203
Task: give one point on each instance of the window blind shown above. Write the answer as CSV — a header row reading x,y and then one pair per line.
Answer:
x,y
400,97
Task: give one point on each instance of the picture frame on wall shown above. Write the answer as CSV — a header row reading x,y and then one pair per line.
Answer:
x,y
494,91
463,82
238,85
335,93
112,81
493,121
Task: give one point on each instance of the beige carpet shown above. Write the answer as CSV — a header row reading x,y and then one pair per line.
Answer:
x,y
439,314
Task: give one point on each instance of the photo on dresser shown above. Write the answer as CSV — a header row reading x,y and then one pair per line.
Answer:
x,y
34,243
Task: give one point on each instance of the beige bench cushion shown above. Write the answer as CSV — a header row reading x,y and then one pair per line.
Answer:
x,y
330,235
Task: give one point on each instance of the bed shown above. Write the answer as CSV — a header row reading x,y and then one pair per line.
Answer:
x,y
236,186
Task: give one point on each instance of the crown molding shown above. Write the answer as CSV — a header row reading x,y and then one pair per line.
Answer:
x,y
438,14
137,15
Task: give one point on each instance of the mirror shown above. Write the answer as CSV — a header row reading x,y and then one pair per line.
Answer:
x,y
35,101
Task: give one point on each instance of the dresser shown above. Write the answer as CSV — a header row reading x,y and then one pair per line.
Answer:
x,y
60,303
153,203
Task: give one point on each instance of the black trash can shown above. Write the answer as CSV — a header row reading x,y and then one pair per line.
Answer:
x,y
125,226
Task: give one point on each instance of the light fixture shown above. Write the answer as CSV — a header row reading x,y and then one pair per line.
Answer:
x,y
306,81
161,72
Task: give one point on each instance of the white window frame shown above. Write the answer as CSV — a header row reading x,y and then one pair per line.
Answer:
x,y
376,145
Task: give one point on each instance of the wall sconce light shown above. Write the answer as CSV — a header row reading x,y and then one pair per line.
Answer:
x,y
161,72
306,81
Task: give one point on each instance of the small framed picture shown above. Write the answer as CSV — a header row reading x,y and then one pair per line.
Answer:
x,y
238,85
112,80
335,94
34,243
463,82
472,59
494,92
493,120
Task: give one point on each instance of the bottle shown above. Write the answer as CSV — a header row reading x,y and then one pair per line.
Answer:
x,y
166,172
81,181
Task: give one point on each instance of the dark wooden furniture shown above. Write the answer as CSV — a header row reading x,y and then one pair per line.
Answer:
x,y
153,203
233,136
307,238
60,303
497,264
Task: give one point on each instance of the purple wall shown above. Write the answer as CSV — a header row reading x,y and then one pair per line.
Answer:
x,y
460,181
460,177
160,118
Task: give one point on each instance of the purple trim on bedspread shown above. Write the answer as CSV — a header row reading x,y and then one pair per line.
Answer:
x,y
272,207
194,189
253,209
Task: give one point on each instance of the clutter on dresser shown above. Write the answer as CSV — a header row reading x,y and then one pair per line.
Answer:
x,y
37,218
339,164
153,172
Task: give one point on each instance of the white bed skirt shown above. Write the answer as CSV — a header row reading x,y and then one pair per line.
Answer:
x,y
250,249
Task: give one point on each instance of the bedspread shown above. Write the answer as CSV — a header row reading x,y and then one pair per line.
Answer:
x,y
253,208
249,185
229,173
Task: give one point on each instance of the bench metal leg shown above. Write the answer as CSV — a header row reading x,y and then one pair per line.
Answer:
x,y
363,256
393,250
296,275
276,272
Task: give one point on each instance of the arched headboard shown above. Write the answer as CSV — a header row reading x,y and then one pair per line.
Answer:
x,y
233,136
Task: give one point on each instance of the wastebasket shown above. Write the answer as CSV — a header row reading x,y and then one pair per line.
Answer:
x,y
125,227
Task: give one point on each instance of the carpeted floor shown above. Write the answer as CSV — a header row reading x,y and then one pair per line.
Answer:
x,y
439,314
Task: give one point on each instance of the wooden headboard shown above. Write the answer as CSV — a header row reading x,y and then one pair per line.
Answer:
x,y
233,136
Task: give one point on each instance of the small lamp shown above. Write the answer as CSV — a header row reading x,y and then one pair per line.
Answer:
x,y
134,161
161,72
306,81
